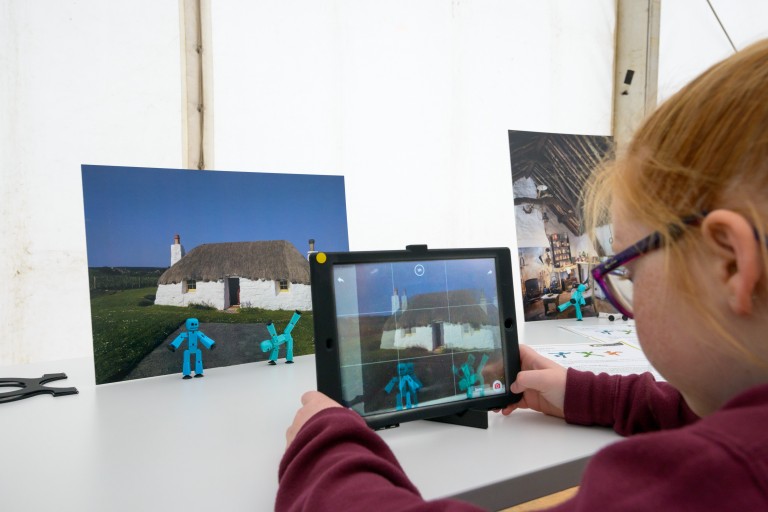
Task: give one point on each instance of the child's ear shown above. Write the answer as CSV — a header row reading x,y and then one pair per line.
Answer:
x,y
737,260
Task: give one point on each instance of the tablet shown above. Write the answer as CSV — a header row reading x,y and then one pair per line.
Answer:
x,y
415,334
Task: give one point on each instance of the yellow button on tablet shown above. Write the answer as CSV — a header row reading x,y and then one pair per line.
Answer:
x,y
321,257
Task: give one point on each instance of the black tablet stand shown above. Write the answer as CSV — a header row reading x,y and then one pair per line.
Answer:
x,y
32,387
469,418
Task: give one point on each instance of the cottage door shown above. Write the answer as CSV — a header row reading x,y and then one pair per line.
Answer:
x,y
233,283
437,335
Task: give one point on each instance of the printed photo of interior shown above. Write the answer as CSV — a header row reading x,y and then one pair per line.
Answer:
x,y
548,173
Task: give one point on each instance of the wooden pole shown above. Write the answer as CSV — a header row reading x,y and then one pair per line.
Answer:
x,y
636,66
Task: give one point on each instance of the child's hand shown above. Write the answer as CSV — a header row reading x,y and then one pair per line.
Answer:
x,y
542,383
312,402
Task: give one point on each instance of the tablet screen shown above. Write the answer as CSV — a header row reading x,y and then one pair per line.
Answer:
x,y
414,334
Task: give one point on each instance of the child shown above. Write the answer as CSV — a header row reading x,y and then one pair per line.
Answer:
x,y
689,203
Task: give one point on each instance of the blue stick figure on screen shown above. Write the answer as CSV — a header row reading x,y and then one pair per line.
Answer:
x,y
276,340
193,335
471,377
577,300
407,384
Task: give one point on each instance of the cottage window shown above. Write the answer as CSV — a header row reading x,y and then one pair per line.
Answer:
x,y
283,285
190,286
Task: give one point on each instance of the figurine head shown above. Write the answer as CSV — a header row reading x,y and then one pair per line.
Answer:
x,y
192,324
581,287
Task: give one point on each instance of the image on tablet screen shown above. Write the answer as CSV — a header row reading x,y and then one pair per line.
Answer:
x,y
418,333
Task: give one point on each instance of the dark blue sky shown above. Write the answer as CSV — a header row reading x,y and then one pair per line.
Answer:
x,y
375,282
133,213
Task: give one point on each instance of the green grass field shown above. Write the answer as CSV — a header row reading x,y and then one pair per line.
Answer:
x,y
126,329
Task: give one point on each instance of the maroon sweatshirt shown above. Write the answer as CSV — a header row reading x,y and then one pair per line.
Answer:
x,y
680,463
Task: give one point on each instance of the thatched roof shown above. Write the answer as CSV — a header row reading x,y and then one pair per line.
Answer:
x,y
562,163
271,260
457,307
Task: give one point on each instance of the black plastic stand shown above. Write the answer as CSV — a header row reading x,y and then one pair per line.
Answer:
x,y
469,418
32,387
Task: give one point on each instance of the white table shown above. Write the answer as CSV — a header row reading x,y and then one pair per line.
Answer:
x,y
215,443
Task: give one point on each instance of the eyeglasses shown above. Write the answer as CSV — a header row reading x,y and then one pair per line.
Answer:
x,y
612,276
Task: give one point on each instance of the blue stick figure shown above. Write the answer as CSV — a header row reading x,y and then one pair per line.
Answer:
x,y
577,300
471,378
276,340
193,335
407,384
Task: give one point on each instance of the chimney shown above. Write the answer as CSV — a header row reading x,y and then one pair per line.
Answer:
x,y
311,247
177,250
395,302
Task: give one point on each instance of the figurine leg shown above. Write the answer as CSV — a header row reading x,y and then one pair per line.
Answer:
x,y
273,354
289,352
198,363
399,406
578,312
185,367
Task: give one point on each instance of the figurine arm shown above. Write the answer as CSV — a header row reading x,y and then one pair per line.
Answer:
x,y
388,387
175,343
206,341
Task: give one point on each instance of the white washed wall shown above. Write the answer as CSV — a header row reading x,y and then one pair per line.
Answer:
x,y
258,294
207,293
264,294
453,336
169,295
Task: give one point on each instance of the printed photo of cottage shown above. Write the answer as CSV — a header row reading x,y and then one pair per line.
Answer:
x,y
171,250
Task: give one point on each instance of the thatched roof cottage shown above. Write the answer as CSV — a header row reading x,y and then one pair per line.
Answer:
x,y
269,274
456,319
